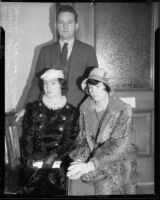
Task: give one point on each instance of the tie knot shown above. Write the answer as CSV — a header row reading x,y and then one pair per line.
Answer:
x,y
65,45
65,49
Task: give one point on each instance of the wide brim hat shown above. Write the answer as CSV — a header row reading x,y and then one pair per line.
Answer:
x,y
98,74
52,74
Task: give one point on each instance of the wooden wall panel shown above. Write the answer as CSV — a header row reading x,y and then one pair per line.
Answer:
x,y
86,22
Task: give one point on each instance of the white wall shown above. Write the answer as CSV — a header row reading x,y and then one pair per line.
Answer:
x,y
27,26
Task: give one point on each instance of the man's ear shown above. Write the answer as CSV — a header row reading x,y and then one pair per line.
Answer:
x,y
77,26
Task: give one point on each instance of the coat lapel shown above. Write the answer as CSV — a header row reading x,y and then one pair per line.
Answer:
x,y
109,120
87,111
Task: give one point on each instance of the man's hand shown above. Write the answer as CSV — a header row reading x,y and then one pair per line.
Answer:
x,y
19,115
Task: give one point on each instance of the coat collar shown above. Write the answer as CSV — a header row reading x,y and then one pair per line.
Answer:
x,y
114,104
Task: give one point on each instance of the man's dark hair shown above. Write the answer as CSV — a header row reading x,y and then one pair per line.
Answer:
x,y
95,82
67,8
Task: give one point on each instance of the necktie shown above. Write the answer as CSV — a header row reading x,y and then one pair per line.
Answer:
x,y
63,61
64,54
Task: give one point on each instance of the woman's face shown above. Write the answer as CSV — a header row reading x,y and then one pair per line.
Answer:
x,y
98,92
52,88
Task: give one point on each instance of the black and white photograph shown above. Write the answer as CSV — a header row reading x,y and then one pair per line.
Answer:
x,y
81,99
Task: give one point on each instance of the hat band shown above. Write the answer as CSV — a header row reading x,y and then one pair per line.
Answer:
x,y
51,76
99,78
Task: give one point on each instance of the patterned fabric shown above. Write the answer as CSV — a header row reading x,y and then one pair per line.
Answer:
x,y
46,131
112,151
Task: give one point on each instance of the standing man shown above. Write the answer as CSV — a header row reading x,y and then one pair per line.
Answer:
x,y
68,54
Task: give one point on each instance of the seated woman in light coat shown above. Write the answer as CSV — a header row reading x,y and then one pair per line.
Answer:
x,y
104,159
50,127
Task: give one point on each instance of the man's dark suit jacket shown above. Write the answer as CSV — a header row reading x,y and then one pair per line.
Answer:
x,y
82,56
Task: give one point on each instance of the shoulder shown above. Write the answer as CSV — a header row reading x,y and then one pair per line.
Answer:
x,y
87,105
71,108
31,107
83,45
69,112
118,105
49,47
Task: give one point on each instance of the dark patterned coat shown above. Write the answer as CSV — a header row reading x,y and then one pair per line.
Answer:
x,y
112,150
46,131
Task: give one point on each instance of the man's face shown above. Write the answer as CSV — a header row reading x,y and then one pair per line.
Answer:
x,y
66,25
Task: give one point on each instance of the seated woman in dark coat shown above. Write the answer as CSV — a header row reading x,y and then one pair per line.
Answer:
x,y
50,126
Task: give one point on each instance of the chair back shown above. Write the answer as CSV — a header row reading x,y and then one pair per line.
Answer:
x,y
13,132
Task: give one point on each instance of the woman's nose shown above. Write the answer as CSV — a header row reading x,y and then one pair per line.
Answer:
x,y
92,89
48,86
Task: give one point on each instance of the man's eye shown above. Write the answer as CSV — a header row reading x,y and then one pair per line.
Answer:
x,y
60,23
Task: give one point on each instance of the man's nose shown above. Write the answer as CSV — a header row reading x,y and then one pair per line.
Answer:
x,y
65,26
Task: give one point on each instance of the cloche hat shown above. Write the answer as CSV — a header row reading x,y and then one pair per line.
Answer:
x,y
98,74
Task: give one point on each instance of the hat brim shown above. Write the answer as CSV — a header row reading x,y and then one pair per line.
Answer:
x,y
97,78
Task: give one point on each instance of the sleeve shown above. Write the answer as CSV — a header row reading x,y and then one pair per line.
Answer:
x,y
118,146
82,150
71,131
28,133
92,58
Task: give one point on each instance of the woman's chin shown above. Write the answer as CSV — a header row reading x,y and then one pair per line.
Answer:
x,y
51,96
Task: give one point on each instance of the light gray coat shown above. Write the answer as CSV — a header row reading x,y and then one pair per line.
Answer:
x,y
112,151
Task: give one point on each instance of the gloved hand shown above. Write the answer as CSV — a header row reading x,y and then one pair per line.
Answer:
x,y
49,160
75,176
76,170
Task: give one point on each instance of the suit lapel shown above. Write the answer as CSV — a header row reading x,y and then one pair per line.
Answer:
x,y
56,54
74,57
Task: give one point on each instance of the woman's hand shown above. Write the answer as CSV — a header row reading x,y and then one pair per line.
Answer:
x,y
74,176
77,169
